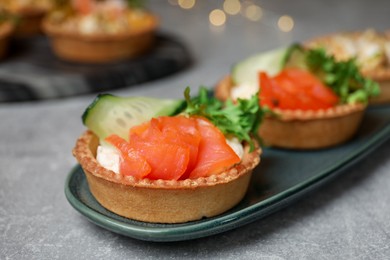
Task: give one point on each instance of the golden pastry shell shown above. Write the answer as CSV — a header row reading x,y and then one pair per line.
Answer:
x,y
164,201
100,47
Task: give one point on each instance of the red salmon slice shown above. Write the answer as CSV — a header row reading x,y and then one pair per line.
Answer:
x,y
183,130
273,95
295,89
178,148
131,162
214,155
168,161
312,86
304,99
179,130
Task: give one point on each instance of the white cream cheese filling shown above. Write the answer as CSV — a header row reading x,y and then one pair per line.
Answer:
x,y
108,157
243,91
236,145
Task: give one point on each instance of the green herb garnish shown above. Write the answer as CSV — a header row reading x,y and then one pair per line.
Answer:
x,y
241,119
343,77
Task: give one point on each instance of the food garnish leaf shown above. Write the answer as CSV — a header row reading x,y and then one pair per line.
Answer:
x,y
343,77
241,119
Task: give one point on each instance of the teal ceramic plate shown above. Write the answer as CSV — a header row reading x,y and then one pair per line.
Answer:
x,y
282,177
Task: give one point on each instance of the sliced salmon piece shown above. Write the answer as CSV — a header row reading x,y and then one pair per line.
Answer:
x,y
301,93
183,131
179,130
266,94
311,85
180,147
295,89
168,161
132,163
274,96
139,129
214,155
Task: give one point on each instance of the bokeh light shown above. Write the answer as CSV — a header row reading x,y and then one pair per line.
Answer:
x,y
286,23
232,7
253,12
186,4
217,17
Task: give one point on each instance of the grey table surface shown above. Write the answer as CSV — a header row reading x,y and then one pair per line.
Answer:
x,y
348,218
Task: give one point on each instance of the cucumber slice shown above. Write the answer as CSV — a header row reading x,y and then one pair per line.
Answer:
x,y
271,62
109,114
247,71
295,57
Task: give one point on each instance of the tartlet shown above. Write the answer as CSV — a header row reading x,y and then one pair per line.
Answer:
x,y
164,201
168,160
297,129
370,48
71,44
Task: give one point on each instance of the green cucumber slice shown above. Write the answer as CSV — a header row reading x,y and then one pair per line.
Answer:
x,y
295,57
271,62
246,71
109,114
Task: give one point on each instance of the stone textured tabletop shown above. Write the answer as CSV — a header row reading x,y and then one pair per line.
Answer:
x,y
348,218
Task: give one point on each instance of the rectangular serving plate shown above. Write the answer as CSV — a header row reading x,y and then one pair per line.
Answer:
x,y
282,177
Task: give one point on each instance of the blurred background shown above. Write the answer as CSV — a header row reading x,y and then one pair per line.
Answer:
x,y
347,219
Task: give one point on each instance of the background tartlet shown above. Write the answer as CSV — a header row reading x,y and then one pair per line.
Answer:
x,y
164,201
71,43
370,48
297,129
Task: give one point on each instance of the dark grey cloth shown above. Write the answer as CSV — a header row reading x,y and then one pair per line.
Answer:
x,y
32,72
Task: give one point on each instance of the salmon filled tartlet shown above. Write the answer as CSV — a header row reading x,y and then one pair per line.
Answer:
x,y
370,49
314,101
95,31
169,161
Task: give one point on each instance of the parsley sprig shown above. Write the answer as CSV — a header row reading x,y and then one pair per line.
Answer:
x,y
241,119
343,77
